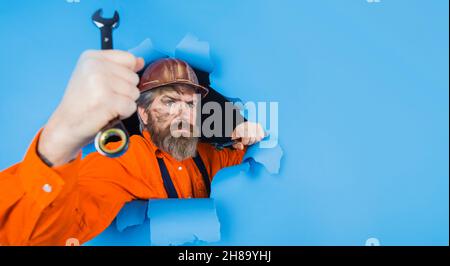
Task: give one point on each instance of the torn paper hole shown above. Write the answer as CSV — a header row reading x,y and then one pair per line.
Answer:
x,y
195,52
183,222
162,222
269,158
132,213
177,221
147,51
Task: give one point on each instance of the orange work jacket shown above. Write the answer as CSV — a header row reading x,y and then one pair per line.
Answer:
x,y
42,205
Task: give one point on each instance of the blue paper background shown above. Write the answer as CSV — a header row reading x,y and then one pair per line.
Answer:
x,y
363,101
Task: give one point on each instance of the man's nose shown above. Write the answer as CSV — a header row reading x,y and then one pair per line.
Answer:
x,y
185,112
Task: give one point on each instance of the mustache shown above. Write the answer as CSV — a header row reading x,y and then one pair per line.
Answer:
x,y
158,124
177,125
179,147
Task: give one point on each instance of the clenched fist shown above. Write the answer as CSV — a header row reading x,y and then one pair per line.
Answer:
x,y
249,133
103,86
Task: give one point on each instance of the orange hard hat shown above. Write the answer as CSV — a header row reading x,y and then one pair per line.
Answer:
x,y
168,71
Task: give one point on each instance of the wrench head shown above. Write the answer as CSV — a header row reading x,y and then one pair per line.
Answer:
x,y
101,22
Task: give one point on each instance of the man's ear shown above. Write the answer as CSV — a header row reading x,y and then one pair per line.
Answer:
x,y
142,114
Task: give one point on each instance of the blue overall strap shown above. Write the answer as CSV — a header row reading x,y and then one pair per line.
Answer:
x,y
201,167
168,184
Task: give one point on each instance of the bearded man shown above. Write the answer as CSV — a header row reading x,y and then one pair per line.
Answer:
x,y
54,194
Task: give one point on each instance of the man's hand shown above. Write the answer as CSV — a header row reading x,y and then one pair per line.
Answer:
x,y
103,86
249,133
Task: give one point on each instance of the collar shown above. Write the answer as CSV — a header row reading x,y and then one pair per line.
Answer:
x,y
154,149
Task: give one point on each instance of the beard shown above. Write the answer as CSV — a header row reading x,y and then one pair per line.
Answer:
x,y
180,147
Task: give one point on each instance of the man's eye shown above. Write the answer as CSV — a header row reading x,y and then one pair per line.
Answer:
x,y
169,103
191,105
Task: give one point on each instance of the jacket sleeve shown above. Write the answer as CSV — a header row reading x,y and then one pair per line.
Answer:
x,y
41,205
230,156
215,159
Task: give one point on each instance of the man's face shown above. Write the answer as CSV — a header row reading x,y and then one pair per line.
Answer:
x,y
175,110
171,120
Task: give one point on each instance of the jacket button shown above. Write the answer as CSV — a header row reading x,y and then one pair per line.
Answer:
x,y
47,188
180,168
